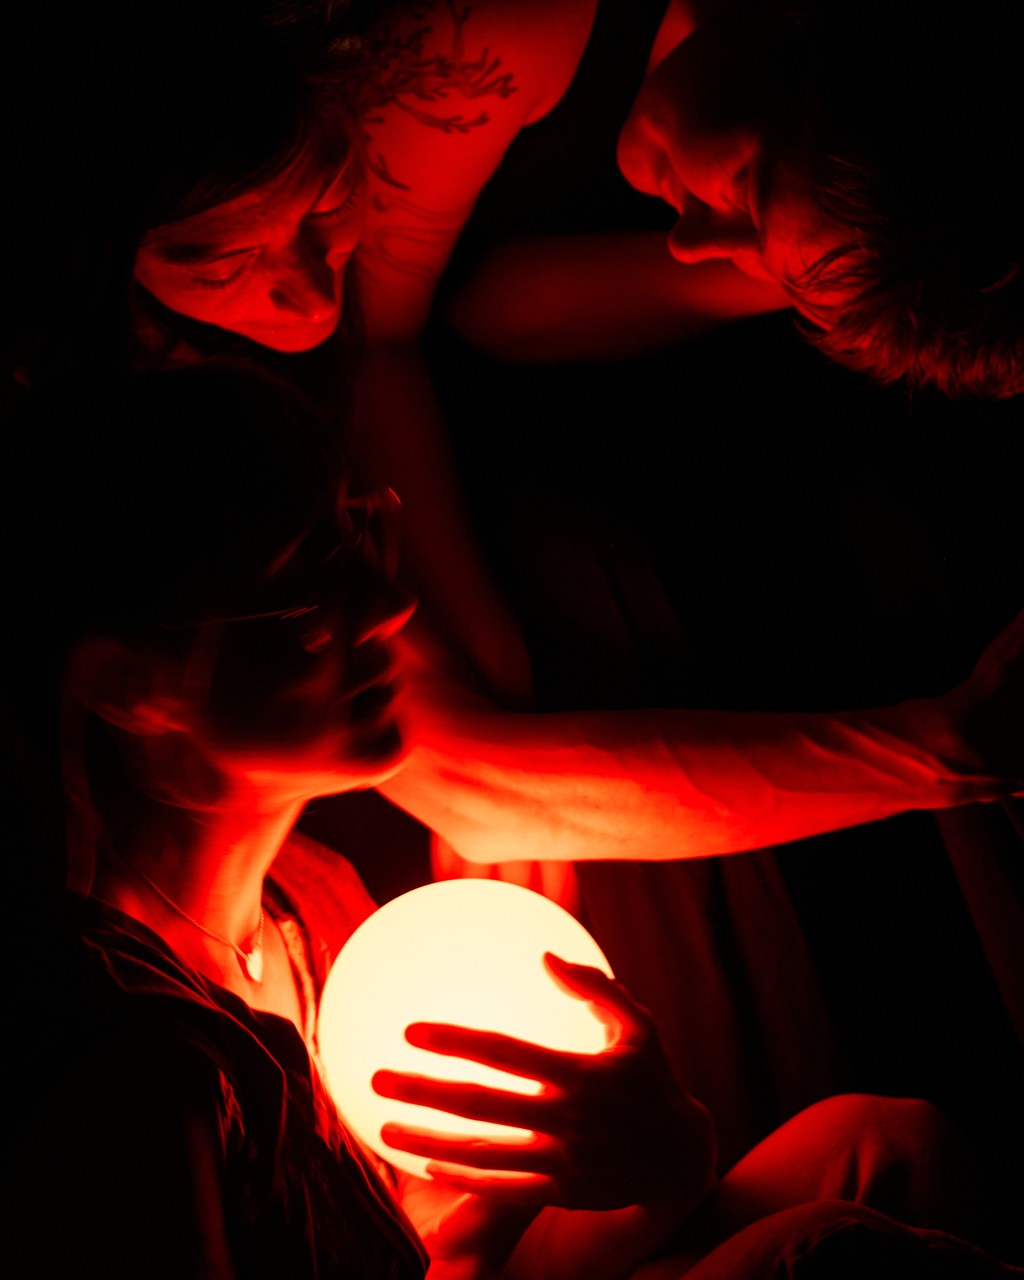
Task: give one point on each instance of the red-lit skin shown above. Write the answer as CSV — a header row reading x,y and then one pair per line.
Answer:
x,y
408,237
287,710
287,295
669,784
270,263
277,708
634,1160
696,138
672,784
615,1140
327,717
405,243
290,296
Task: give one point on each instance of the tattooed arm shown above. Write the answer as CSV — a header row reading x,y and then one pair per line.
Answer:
x,y
608,296
455,82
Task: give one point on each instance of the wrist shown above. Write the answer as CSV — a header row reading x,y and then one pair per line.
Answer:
x,y
695,1174
934,742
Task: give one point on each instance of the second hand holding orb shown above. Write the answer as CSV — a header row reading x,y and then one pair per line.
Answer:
x,y
468,953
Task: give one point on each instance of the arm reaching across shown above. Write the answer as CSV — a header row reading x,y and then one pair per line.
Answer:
x,y
673,784
610,296
454,85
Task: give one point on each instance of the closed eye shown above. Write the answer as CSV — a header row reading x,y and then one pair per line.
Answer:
x,y
231,277
741,190
338,212
341,196
315,639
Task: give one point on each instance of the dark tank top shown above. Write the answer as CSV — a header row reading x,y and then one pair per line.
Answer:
x,y
704,944
713,527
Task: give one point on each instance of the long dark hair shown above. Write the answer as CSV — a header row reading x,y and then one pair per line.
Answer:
x,y
170,513
127,114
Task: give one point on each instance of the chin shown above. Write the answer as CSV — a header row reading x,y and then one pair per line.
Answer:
x,y
751,265
380,750
290,338
366,764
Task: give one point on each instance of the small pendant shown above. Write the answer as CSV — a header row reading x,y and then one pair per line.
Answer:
x,y
252,963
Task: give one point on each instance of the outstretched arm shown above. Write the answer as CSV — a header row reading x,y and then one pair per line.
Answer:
x,y
609,296
454,83
677,784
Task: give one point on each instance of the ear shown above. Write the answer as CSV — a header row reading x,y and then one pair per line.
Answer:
x,y
126,687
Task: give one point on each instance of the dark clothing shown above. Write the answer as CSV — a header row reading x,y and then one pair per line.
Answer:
x,y
741,525
829,1240
301,1198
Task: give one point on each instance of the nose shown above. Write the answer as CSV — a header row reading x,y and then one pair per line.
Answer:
x,y
306,285
637,154
382,609
702,233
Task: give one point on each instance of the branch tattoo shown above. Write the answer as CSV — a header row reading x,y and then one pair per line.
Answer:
x,y
416,72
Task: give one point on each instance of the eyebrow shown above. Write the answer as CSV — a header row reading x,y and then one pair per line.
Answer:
x,y
189,254
192,252
758,191
344,169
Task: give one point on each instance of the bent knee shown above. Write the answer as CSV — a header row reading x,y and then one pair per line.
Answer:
x,y
911,1126
826,1238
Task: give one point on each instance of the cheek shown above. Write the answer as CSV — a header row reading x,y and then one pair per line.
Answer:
x,y
753,265
247,299
210,305
339,244
669,141
283,696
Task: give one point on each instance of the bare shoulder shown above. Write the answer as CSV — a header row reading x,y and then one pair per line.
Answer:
x,y
547,38
527,49
452,83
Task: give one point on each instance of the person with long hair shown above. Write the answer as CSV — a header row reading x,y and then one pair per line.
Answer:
x,y
213,646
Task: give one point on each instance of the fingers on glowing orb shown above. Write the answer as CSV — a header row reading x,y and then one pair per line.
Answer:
x,y
511,1188
470,1101
625,1020
413,982
529,1154
493,1049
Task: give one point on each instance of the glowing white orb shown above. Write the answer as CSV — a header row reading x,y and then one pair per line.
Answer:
x,y
464,952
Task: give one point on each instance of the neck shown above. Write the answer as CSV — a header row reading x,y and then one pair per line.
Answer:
x,y
211,865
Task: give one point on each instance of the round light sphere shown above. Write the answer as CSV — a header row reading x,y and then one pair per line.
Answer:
x,y
465,952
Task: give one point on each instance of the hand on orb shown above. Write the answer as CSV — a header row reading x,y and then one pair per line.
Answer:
x,y
608,1130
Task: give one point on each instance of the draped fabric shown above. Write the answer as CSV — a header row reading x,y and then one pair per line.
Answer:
x,y
737,524
301,1197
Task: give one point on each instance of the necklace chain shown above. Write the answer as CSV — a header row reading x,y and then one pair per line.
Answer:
x,y
251,960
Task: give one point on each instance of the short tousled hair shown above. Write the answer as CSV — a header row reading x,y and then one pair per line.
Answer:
x,y
910,127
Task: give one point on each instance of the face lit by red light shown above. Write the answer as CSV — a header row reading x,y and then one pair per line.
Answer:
x,y
269,263
302,694
696,137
